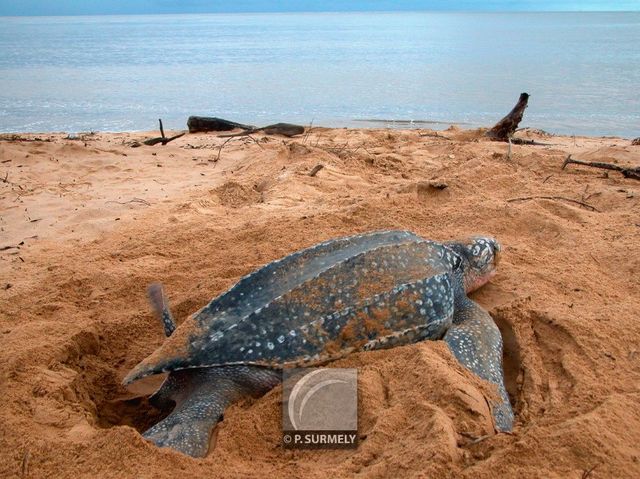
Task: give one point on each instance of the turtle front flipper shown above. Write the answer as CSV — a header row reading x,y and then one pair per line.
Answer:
x,y
475,341
201,396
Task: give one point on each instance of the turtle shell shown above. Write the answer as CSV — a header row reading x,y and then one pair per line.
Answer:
x,y
356,293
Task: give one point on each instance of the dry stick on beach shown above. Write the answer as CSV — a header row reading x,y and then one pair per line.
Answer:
x,y
316,169
307,133
235,137
434,135
134,200
284,129
633,173
161,139
555,198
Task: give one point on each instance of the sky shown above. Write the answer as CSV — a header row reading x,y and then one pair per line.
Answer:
x,y
100,7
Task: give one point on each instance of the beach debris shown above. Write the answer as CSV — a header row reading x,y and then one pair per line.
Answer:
x,y
161,139
434,135
134,200
555,198
231,138
204,123
587,473
505,128
284,129
25,463
633,173
5,248
19,138
636,141
315,170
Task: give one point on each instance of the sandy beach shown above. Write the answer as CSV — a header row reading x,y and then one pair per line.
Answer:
x,y
87,223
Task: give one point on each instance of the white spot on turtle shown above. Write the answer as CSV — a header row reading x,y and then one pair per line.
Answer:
x,y
216,336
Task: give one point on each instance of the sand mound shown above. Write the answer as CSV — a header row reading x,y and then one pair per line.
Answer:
x,y
86,225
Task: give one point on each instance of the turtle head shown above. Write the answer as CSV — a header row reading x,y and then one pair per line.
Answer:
x,y
479,260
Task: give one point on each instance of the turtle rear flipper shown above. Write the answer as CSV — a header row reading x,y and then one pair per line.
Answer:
x,y
475,341
201,399
161,308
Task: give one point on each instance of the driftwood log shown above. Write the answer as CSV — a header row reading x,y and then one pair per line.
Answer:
x,y
505,128
203,123
161,139
285,129
633,173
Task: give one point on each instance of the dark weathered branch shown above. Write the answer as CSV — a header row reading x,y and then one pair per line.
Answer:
x,y
524,141
316,169
633,173
164,141
161,139
204,123
506,127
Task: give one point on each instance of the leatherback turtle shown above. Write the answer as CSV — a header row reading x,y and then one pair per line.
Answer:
x,y
370,291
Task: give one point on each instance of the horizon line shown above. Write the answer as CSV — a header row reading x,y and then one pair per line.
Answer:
x,y
308,11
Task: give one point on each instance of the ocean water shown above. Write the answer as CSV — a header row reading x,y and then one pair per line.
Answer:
x,y
115,73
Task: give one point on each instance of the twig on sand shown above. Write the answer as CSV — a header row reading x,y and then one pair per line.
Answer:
x,y
5,248
435,135
25,463
474,439
134,200
307,133
316,169
633,173
235,138
524,141
556,198
588,472
161,139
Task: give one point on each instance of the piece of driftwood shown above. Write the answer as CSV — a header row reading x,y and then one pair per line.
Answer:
x,y
633,173
505,128
636,141
205,123
285,129
316,169
161,139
